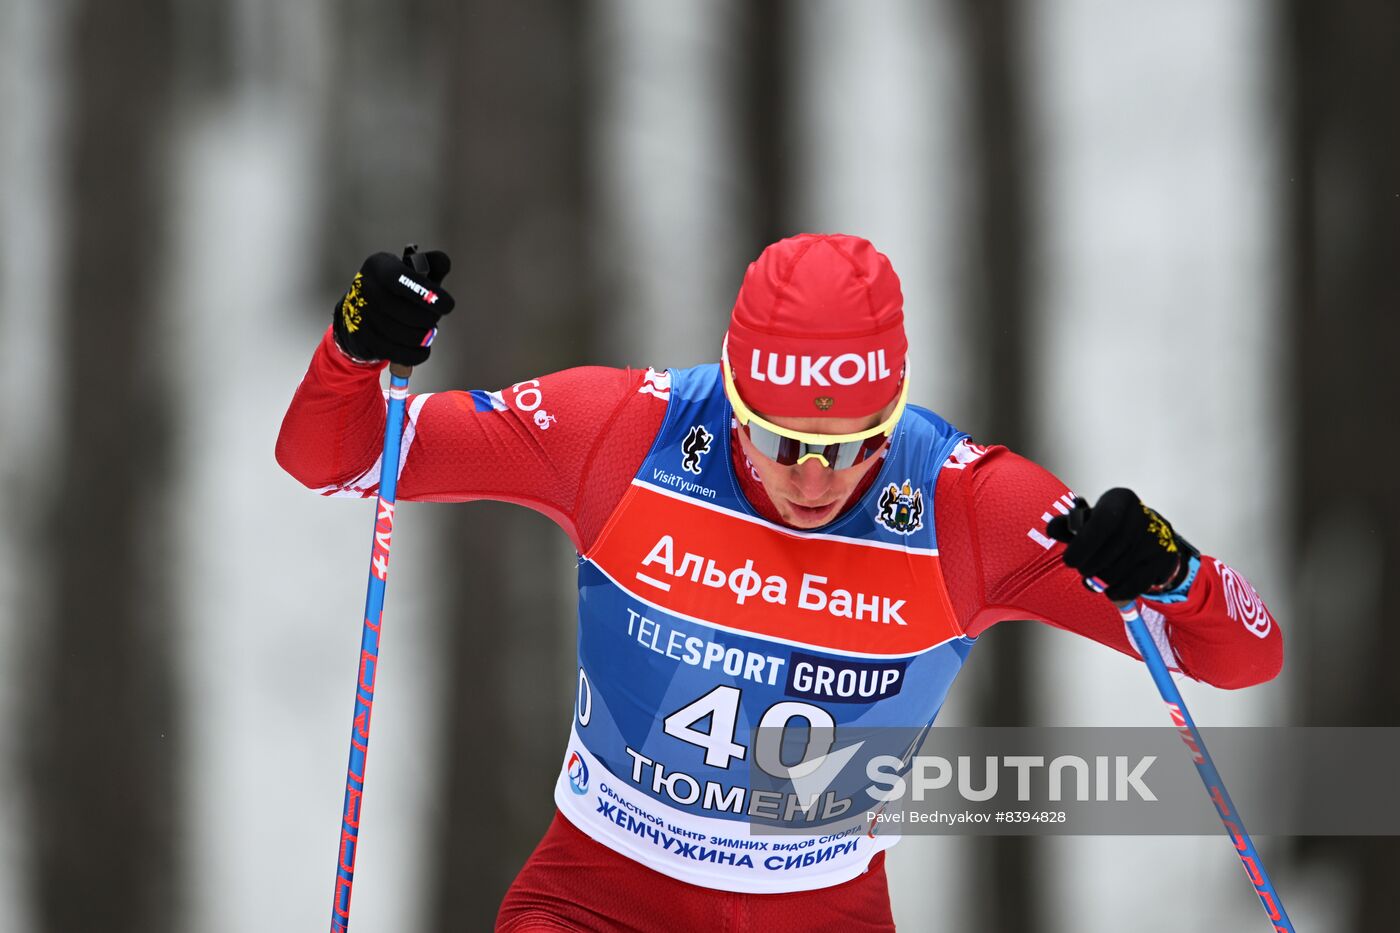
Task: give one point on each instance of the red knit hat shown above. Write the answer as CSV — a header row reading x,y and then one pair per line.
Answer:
x,y
818,329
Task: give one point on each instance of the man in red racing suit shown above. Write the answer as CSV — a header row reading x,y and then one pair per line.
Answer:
x,y
809,395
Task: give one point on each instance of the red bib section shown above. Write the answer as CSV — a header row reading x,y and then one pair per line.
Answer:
x,y
743,574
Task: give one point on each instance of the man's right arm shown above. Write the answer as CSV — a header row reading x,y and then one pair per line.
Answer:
x,y
334,428
566,444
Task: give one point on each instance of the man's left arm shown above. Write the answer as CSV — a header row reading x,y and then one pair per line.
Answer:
x,y
1003,562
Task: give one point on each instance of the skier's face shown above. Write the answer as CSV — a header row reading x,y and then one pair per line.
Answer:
x,y
808,494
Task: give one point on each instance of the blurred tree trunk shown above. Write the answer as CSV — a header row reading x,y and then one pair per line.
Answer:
x,y
766,104
1341,72
998,309
100,747
513,193
384,132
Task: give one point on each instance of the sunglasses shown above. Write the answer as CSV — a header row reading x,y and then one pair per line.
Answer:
x,y
791,448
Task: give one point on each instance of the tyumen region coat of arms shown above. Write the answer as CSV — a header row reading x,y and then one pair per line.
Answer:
x,y
901,509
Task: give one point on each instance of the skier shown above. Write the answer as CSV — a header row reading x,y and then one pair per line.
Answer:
x,y
776,540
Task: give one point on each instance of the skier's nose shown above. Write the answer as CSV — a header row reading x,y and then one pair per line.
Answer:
x,y
813,481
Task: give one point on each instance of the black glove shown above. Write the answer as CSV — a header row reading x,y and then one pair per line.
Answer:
x,y
1124,544
392,308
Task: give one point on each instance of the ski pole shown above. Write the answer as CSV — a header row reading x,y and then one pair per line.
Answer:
x,y
1215,786
369,634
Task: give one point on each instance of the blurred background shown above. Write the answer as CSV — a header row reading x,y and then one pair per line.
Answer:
x,y
1146,243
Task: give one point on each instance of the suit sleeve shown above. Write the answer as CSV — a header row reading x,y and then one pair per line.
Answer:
x,y
992,509
538,443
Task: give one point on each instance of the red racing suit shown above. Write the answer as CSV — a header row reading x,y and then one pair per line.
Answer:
x,y
569,444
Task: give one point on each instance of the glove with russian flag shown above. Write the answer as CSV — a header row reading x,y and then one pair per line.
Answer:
x,y
392,307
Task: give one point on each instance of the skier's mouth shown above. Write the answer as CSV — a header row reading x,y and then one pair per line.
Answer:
x,y
810,512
